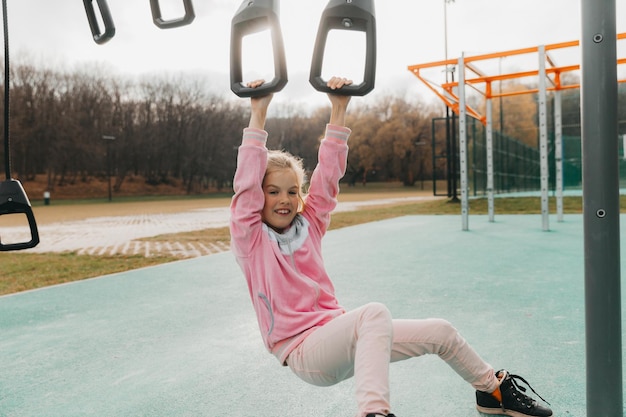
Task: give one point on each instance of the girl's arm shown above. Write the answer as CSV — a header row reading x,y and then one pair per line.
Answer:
x,y
258,107
338,102
324,186
247,203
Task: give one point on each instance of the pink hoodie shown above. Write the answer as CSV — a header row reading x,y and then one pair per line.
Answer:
x,y
291,292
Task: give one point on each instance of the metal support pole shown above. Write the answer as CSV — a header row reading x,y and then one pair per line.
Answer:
x,y
453,152
490,202
109,139
450,165
558,151
599,124
463,144
543,140
434,154
449,157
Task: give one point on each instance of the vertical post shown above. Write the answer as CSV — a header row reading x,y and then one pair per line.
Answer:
x,y
471,144
601,209
450,130
500,99
558,151
434,154
490,203
453,152
543,140
108,140
463,144
449,157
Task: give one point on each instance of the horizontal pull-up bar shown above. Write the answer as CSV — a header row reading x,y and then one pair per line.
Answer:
x,y
502,77
513,52
446,91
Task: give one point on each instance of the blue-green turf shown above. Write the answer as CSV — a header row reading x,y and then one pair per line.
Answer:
x,y
181,339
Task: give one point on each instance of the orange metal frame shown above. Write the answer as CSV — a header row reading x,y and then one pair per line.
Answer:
x,y
446,93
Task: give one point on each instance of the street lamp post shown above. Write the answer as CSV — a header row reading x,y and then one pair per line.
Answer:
x,y
108,140
450,128
445,28
419,144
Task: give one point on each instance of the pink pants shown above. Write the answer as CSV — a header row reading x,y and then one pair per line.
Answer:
x,y
362,343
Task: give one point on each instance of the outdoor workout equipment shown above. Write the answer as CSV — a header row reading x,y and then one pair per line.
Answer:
x,y
105,14
255,16
172,23
355,15
13,199
601,213
101,37
549,79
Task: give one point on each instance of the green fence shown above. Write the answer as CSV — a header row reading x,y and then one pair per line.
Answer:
x,y
516,165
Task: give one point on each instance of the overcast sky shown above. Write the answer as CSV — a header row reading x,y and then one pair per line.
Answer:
x,y
408,32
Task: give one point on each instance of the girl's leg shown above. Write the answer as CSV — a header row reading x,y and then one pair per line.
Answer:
x,y
357,343
413,338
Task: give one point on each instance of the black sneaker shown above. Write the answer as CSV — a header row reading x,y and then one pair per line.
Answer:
x,y
377,414
514,402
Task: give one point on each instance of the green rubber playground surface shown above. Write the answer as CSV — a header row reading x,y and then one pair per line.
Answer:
x,y
181,339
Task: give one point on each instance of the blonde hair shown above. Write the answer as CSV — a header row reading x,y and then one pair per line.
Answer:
x,y
279,160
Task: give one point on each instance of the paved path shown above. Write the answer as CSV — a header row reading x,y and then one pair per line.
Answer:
x,y
121,234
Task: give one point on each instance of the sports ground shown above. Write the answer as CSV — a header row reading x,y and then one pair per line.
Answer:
x,y
181,339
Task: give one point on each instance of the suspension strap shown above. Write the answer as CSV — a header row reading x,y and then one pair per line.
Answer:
x,y
7,73
13,199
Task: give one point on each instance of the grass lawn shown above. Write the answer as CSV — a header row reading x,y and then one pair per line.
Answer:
x,y
35,270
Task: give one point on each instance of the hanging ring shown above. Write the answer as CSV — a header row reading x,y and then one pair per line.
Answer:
x,y
254,16
172,23
346,15
107,20
13,200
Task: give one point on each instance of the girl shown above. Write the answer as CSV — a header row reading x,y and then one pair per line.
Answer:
x,y
276,237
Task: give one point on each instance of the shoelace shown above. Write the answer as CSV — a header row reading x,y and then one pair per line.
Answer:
x,y
514,379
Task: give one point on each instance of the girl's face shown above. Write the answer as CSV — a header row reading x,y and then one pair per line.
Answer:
x,y
281,192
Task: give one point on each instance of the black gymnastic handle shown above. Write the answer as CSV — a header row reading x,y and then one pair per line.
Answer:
x,y
254,16
13,200
360,15
161,23
100,37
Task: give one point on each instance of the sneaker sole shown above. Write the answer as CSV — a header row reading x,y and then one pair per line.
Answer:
x,y
500,412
